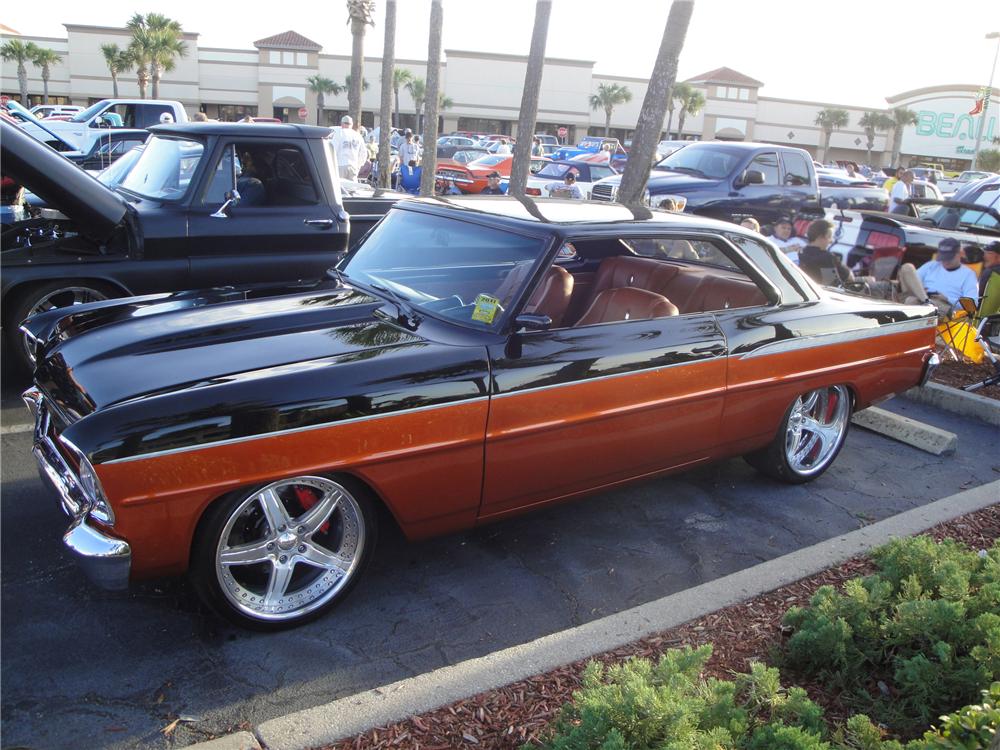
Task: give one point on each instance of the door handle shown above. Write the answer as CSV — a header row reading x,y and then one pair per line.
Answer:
x,y
710,349
318,223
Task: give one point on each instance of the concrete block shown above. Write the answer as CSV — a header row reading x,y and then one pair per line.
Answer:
x,y
237,741
958,402
918,434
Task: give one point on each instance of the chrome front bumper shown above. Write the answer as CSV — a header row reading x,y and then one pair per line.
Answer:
x,y
930,364
106,560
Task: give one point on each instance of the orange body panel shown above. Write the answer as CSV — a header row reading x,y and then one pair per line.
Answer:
x,y
432,458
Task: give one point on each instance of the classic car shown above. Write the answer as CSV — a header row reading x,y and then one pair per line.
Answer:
x,y
591,144
471,359
447,145
187,215
471,177
552,174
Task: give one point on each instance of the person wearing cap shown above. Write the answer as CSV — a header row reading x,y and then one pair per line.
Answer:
x,y
991,265
946,279
350,148
783,237
492,184
568,188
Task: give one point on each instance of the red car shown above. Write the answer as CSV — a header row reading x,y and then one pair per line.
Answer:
x,y
471,178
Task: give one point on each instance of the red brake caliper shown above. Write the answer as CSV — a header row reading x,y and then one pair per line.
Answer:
x,y
307,498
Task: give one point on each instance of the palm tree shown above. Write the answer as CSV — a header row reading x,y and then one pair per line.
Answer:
x,y
679,92
156,41
690,105
654,106
901,117
140,50
830,119
418,92
118,61
432,99
444,102
609,96
529,99
22,52
359,16
321,87
400,77
872,122
347,83
45,58
389,71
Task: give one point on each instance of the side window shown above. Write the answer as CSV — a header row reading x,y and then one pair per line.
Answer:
x,y
122,116
796,169
776,266
768,164
597,173
699,251
151,114
268,174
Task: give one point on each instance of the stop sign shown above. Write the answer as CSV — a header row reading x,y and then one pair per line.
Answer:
x,y
4,99
563,132
303,113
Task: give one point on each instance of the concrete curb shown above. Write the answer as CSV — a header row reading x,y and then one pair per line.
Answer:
x,y
237,741
357,713
923,436
958,402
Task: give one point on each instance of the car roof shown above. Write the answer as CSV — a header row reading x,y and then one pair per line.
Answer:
x,y
250,130
564,213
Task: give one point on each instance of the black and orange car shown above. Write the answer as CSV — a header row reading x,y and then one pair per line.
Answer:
x,y
471,178
470,360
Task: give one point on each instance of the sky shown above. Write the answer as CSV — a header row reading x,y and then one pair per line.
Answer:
x,y
853,52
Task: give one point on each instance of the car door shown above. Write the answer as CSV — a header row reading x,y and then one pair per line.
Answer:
x,y
579,408
799,194
765,202
283,227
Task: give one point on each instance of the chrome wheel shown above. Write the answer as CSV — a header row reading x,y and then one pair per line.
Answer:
x,y
50,298
816,426
290,548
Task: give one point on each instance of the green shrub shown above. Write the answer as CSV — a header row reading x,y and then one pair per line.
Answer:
x,y
670,706
970,728
926,626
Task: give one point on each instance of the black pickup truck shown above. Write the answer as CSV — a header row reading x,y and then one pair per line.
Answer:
x,y
730,181
204,205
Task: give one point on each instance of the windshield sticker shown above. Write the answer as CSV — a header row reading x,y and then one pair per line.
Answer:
x,y
486,309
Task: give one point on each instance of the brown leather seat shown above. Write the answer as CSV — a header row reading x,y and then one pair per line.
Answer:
x,y
638,273
720,293
626,303
552,295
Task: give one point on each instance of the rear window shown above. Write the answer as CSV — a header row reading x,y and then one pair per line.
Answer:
x,y
776,266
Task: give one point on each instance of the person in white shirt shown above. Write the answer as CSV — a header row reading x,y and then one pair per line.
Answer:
x,y
946,279
409,151
782,237
504,147
901,193
351,149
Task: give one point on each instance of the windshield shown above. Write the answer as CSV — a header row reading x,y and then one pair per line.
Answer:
x,y
164,169
555,171
89,112
446,267
489,161
947,217
702,161
113,175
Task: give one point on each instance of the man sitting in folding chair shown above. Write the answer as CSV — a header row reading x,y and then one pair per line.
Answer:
x,y
945,279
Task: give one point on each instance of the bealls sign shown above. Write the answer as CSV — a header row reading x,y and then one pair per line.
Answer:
x,y
944,127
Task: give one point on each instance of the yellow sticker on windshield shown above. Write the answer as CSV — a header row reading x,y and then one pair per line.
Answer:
x,y
486,308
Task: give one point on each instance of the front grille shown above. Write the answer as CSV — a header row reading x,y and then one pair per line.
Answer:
x,y
56,462
603,192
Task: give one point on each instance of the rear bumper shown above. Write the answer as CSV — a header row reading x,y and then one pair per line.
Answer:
x,y
106,560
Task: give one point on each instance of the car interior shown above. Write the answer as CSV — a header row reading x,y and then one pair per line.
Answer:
x,y
269,175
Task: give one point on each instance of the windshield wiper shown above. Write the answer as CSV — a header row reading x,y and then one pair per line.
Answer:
x,y
692,170
407,316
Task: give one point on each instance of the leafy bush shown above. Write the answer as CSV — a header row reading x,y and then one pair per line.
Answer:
x,y
910,642
670,706
970,728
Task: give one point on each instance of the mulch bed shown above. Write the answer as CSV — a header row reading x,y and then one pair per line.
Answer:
x,y
957,374
505,718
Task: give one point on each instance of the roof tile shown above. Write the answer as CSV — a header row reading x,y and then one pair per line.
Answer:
x,y
725,75
288,40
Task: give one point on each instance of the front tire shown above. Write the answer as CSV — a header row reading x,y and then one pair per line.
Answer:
x,y
280,555
810,437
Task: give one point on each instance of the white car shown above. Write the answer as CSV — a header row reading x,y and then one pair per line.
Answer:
x,y
551,175
85,127
47,110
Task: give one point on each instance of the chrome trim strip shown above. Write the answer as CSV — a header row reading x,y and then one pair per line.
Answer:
x,y
842,337
292,431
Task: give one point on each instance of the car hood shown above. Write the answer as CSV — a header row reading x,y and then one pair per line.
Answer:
x,y
96,210
662,181
111,352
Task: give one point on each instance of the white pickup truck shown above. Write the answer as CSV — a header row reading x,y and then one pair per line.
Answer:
x,y
947,187
83,129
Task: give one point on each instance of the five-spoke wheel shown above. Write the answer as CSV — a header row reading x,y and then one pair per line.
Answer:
x,y
281,554
810,437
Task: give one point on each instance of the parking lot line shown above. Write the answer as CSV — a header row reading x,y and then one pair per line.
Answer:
x,y
12,429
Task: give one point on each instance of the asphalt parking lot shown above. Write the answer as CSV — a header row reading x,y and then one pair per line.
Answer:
x,y
84,668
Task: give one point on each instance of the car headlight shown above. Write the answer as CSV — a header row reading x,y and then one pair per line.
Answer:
x,y
657,201
101,508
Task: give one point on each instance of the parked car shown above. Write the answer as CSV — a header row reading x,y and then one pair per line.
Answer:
x,y
42,111
591,145
731,181
471,178
89,125
949,186
455,370
840,190
554,172
107,149
547,140
447,145
666,147
183,217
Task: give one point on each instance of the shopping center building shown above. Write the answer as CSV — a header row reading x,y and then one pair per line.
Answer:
x,y
269,80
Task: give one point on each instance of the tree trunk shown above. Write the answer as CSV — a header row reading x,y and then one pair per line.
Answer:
x,y
654,105
357,71
529,99
156,81
398,112
681,117
320,103
670,111
432,100
22,82
143,79
897,145
385,110
607,122
45,85
114,83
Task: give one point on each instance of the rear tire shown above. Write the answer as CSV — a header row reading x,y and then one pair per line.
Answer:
x,y
280,555
810,437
